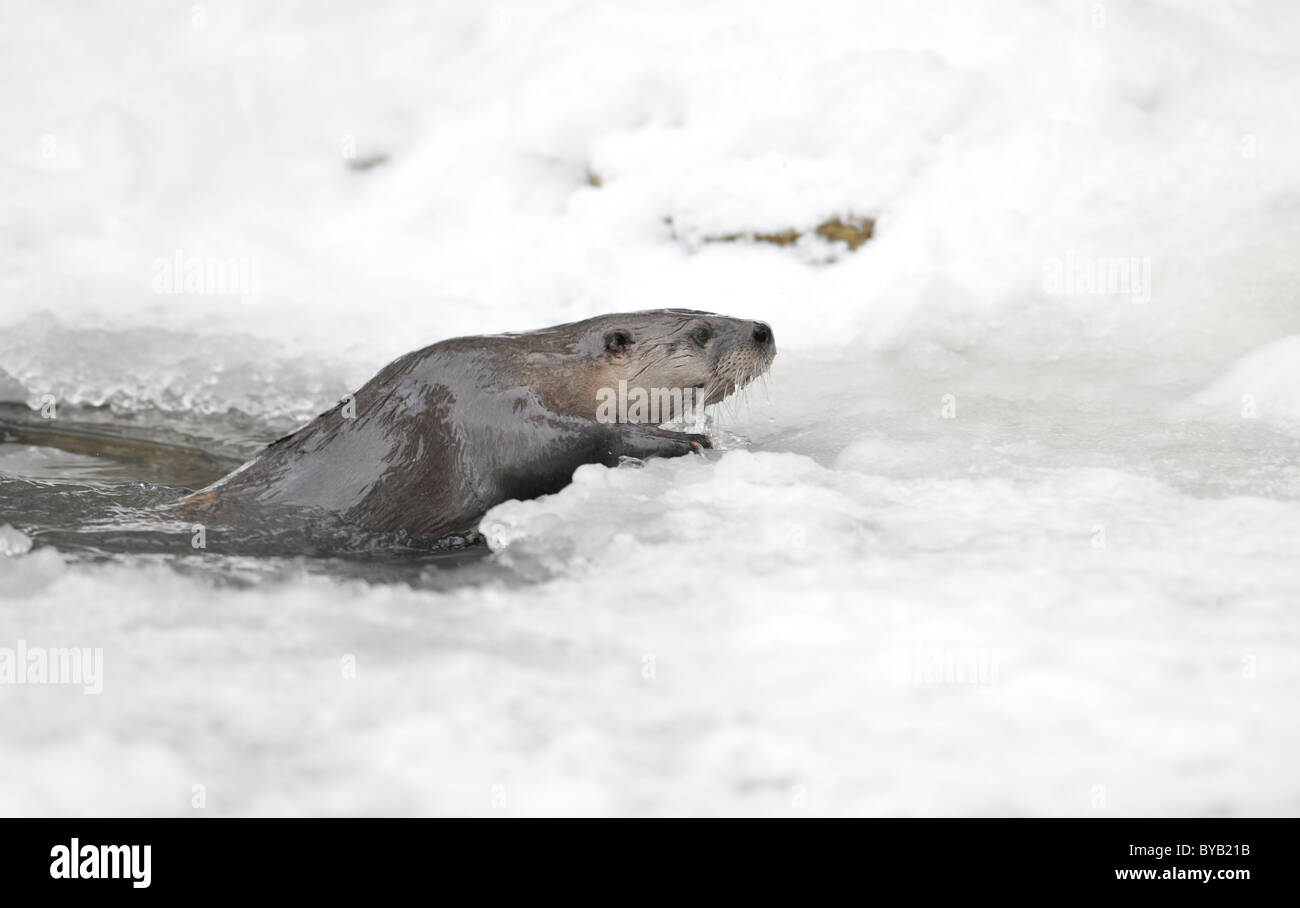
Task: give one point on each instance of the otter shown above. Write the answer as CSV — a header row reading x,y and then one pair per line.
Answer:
x,y
442,434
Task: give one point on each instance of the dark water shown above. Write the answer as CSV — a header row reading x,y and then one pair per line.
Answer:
x,y
97,486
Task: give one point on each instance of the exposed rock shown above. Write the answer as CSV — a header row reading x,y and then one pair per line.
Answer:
x,y
853,231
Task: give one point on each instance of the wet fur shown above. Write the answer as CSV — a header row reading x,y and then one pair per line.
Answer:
x,y
442,434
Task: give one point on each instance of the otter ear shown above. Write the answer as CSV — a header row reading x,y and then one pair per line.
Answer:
x,y
618,341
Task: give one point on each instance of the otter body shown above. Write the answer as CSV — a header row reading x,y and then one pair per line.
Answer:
x,y
442,434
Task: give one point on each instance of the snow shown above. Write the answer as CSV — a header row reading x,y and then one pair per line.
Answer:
x,y
1262,385
990,540
13,542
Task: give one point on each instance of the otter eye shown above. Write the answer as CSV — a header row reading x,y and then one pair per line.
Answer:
x,y
702,335
617,341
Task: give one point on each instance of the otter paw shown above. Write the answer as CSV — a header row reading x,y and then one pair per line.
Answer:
x,y
641,441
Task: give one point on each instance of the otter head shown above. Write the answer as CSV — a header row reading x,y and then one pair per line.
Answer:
x,y
681,359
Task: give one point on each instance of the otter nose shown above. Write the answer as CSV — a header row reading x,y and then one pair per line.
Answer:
x,y
762,334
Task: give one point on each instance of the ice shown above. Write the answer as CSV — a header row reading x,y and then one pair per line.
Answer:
x,y
1013,529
